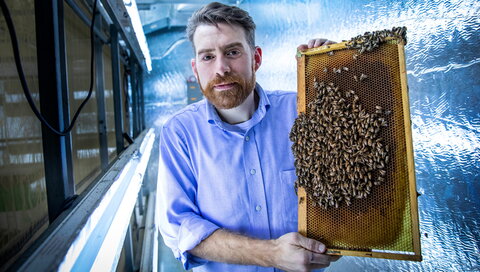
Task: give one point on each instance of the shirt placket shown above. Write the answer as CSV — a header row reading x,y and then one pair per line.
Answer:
x,y
256,188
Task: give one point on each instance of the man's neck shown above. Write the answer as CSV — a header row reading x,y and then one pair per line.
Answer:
x,y
241,113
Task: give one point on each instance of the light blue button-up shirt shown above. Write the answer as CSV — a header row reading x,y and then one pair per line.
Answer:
x,y
237,177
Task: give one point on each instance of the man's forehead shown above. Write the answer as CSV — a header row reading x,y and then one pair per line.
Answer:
x,y
222,34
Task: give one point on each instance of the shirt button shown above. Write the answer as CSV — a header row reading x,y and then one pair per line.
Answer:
x,y
258,208
252,171
247,138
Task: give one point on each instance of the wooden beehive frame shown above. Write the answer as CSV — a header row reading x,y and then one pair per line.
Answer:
x,y
303,200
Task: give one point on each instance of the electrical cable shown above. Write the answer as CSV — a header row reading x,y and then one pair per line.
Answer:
x,y
26,90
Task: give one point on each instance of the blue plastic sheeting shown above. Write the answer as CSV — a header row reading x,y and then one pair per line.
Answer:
x,y
166,86
443,66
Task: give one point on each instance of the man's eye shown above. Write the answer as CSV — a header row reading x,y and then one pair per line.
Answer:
x,y
233,53
207,58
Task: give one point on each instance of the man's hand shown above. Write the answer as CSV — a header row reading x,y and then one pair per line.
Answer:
x,y
314,43
290,252
294,252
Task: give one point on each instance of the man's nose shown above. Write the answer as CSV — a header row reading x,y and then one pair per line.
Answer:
x,y
223,66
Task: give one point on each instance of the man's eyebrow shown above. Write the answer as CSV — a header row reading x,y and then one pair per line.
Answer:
x,y
234,44
207,50
228,46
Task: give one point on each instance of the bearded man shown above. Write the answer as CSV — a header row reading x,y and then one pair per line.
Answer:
x,y
225,194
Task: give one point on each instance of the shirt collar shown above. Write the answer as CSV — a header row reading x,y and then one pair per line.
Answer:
x,y
263,106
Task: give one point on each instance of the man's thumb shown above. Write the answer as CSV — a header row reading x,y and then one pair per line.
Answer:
x,y
312,245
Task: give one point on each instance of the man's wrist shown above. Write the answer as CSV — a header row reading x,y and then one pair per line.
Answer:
x,y
269,253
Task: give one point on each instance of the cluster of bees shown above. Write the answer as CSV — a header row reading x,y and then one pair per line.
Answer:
x,y
338,152
371,40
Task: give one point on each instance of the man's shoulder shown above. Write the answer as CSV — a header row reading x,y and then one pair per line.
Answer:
x,y
279,97
190,113
280,93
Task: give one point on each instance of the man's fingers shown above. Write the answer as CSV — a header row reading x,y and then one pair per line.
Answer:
x,y
302,47
319,42
329,42
322,259
311,244
316,266
334,258
314,43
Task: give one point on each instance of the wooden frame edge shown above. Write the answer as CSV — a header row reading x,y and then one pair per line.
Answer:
x,y
323,49
409,151
301,88
332,47
301,107
372,254
302,211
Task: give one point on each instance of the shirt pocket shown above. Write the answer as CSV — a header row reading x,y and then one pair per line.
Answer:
x,y
289,198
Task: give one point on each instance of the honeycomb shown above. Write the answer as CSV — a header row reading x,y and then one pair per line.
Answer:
x,y
385,224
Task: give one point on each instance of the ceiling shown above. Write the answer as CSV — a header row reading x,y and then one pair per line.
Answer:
x,y
157,15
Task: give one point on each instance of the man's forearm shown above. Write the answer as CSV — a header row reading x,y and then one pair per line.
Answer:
x,y
224,246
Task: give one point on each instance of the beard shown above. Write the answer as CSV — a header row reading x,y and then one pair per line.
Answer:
x,y
228,99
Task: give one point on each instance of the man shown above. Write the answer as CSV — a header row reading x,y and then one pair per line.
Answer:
x,y
226,200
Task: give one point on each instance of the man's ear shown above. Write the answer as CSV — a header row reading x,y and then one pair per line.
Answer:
x,y
257,57
194,68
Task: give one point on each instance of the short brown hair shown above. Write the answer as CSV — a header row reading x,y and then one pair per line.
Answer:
x,y
215,13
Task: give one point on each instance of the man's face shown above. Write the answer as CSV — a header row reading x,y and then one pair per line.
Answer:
x,y
224,64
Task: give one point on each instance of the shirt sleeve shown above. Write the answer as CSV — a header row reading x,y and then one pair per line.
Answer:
x,y
178,217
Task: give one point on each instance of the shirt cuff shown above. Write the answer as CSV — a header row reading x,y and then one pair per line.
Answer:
x,y
191,233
